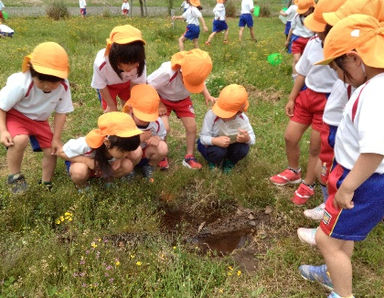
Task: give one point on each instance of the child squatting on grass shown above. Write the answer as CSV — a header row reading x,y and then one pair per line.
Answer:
x,y
175,80
192,16
356,184
119,66
110,151
26,102
226,132
219,24
143,106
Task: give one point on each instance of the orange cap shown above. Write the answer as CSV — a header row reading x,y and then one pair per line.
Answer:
x,y
48,58
123,35
315,21
145,102
220,1
232,99
195,66
373,8
361,32
112,124
304,5
195,3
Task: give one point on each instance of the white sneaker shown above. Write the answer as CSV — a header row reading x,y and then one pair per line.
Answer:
x,y
307,235
315,213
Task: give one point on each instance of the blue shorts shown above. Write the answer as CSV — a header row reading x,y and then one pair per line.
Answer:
x,y
246,19
287,27
353,224
192,32
219,26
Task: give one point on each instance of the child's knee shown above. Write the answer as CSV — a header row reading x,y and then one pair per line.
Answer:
x,y
136,155
21,141
126,166
79,172
162,149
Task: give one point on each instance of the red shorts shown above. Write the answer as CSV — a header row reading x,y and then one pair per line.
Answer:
x,y
326,153
182,108
19,124
309,108
122,90
125,11
298,45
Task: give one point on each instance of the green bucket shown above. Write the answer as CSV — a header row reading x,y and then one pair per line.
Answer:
x,y
275,59
256,10
5,15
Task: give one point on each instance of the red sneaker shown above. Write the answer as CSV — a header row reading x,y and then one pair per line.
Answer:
x,y
163,164
191,162
285,177
302,194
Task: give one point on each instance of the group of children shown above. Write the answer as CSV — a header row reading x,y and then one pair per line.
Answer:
x,y
192,16
338,72
125,7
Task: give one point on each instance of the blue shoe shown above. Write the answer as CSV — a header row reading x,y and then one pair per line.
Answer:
x,y
318,274
335,295
227,166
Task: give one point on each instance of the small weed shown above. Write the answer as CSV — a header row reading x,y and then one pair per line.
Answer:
x,y
57,10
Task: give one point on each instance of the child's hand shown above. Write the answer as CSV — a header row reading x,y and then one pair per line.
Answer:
x,y
116,164
343,198
289,107
111,109
242,136
222,141
162,110
286,44
6,139
210,99
153,141
145,136
56,146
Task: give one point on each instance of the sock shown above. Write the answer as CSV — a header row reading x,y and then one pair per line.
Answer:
x,y
294,170
324,190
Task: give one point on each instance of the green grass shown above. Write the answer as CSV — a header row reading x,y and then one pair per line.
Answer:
x,y
115,244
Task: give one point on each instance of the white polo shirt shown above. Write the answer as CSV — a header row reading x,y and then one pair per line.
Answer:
x,y
361,129
156,128
77,147
291,12
192,15
104,75
319,78
82,3
21,94
125,5
219,12
246,6
168,83
298,27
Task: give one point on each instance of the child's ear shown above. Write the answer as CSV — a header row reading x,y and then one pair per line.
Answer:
x,y
107,142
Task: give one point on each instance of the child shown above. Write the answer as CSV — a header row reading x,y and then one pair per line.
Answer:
x,y
289,14
175,80
356,184
219,23
83,8
119,66
1,11
305,108
192,16
246,18
26,102
6,31
226,133
111,151
125,8
299,35
144,109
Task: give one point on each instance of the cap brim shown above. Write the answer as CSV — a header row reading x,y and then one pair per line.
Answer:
x,y
222,113
331,18
194,88
301,11
313,25
145,116
130,133
63,74
129,40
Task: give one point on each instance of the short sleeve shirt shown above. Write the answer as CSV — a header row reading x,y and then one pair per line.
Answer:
x,y
78,147
246,6
192,15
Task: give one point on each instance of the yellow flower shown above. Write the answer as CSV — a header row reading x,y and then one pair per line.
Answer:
x,y
62,218
117,263
58,221
174,248
132,256
93,244
138,263
229,273
70,219
230,268
68,214
238,272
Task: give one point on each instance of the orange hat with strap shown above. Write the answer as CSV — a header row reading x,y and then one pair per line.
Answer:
x,y
112,124
304,5
232,99
373,8
123,35
315,21
145,102
359,32
48,58
195,66
195,3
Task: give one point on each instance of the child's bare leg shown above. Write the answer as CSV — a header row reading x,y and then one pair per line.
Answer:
x,y
241,33
313,158
226,35
293,134
135,156
15,153
210,37
125,167
337,254
48,164
252,34
190,130
79,173
156,154
196,43
181,42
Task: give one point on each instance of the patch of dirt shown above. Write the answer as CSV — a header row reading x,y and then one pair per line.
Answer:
x,y
269,94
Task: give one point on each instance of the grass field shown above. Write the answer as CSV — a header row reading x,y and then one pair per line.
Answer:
x,y
140,239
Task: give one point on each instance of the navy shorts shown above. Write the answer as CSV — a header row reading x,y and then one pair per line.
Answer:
x,y
246,19
192,32
287,27
219,26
